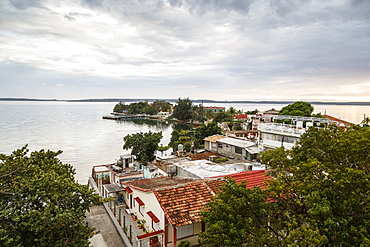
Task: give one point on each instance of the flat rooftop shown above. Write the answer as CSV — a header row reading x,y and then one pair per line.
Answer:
x,y
159,182
206,169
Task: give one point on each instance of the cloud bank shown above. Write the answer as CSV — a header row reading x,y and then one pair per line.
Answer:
x,y
214,49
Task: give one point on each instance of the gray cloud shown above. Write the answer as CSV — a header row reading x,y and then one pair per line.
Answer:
x,y
26,4
220,49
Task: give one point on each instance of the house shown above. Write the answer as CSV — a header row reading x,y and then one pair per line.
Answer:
x,y
210,142
274,135
215,109
337,121
279,135
181,206
144,219
162,211
209,169
243,134
253,178
232,147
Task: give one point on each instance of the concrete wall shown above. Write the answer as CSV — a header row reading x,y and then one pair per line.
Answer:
x,y
229,151
182,172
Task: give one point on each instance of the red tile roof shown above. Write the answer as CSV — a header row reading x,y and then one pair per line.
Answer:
x,y
152,215
253,178
213,107
340,121
141,203
182,204
241,116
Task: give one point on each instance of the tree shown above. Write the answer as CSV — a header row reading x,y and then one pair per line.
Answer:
x,y
232,112
162,105
150,110
366,121
236,216
119,107
298,108
254,111
198,114
324,184
183,137
143,145
319,196
222,117
40,202
183,110
204,131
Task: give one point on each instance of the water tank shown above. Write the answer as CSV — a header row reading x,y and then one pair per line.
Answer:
x,y
248,167
120,162
171,170
213,158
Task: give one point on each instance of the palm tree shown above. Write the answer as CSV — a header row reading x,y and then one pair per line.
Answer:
x,y
366,120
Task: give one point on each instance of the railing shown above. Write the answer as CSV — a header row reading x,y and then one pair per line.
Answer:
x,y
281,129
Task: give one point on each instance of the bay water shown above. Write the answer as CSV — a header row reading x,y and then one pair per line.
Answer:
x,y
77,128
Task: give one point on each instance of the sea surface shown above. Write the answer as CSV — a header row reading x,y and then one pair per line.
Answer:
x,y
77,128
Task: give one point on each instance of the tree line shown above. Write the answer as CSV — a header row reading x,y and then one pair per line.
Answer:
x,y
143,107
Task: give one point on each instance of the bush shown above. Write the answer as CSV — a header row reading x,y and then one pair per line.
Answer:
x,y
184,244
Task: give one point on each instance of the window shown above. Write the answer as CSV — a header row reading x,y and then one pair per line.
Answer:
x,y
185,231
141,210
238,150
155,226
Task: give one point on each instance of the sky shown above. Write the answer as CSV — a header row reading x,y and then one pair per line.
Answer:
x,y
201,49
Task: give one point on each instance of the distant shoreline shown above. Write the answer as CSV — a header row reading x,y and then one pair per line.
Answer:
x,y
194,101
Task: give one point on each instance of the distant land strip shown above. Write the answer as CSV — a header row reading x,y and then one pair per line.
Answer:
x,y
196,101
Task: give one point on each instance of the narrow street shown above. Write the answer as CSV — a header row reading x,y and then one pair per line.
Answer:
x,y
107,235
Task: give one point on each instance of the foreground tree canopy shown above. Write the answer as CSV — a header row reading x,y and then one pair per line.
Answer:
x,y
320,196
40,202
143,145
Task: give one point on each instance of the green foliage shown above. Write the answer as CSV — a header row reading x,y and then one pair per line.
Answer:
x,y
184,244
317,115
366,121
236,216
222,117
183,137
221,160
198,114
183,110
232,112
253,112
162,105
119,107
324,186
40,202
143,145
143,107
319,197
298,108
204,131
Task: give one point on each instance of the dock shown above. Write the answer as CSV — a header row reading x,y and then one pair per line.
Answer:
x,y
124,116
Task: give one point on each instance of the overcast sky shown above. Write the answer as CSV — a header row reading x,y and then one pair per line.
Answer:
x,y
201,49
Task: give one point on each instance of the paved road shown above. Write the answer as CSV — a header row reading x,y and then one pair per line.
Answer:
x,y
107,235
